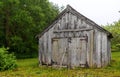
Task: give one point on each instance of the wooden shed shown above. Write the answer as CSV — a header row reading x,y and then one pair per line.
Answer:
x,y
73,40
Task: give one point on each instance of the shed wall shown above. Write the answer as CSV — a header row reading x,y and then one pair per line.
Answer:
x,y
71,26
102,49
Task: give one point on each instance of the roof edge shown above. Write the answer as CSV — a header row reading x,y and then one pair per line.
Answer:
x,y
70,9
54,21
90,21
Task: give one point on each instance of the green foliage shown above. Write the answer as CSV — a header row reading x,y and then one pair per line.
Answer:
x,y
21,21
115,30
7,61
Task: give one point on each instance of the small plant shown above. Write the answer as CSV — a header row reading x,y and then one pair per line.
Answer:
x,y
7,61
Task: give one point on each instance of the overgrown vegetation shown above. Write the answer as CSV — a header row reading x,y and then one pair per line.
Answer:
x,y
21,21
30,68
7,61
115,30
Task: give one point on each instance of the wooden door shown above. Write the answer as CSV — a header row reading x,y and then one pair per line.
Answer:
x,y
70,52
59,51
78,49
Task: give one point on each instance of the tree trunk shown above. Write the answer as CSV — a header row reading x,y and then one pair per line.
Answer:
x,y
6,28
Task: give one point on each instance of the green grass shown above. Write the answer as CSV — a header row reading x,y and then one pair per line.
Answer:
x,y
30,68
115,63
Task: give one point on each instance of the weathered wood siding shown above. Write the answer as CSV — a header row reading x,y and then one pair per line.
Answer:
x,y
109,50
73,42
102,49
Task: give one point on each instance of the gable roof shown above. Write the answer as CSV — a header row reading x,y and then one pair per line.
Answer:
x,y
73,11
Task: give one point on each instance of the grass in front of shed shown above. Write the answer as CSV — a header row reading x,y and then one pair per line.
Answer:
x,y
115,62
29,68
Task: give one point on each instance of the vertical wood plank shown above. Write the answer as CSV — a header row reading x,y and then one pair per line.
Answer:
x,y
45,48
78,50
98,48
106,54
88,48
72,48
91,47
55,50
83,53
49,47
43,53
94,49
109,51
104,49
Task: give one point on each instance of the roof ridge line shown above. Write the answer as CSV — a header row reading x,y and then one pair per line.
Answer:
x,y
71,10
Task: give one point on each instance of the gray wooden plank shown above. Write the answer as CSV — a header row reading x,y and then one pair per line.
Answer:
x,y
91,47
98,48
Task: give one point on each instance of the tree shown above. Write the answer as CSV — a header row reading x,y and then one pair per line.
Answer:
x,y
115,30
21,21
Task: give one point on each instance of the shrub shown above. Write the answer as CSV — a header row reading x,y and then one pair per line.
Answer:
x,y
7,61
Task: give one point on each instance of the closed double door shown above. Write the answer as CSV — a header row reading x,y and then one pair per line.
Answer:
x,y
69,51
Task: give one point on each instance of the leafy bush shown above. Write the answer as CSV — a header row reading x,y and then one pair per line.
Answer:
x,y
115,30
7,61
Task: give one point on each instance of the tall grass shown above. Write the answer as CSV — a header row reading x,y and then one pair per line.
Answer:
x,y
30,68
